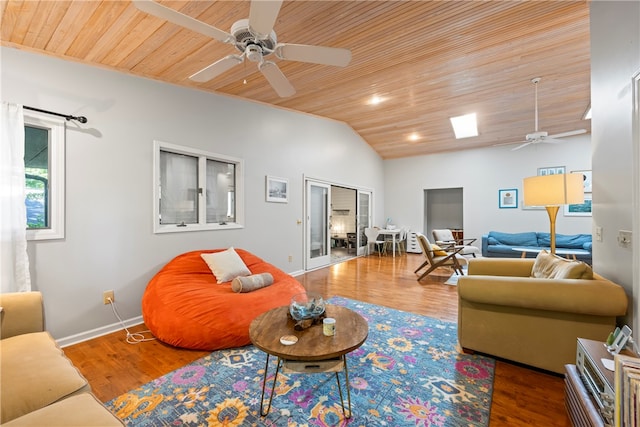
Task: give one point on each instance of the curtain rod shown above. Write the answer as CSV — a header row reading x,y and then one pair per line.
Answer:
x,y
81,119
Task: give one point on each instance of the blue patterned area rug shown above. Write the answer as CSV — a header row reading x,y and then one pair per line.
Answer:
x,y
409,372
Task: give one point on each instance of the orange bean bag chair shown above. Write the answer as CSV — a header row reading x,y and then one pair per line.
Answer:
x,y
184,306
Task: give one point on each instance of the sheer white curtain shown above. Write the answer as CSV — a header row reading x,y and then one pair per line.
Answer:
x,y
14,262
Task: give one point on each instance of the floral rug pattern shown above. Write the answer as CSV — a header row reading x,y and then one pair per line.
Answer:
x,y
409,372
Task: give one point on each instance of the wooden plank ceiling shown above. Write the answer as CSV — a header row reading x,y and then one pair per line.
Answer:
x,y
426,60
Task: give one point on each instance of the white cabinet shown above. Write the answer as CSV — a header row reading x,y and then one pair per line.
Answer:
x,y
412,243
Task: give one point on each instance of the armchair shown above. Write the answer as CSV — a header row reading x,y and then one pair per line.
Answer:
x,y
444,237
439,257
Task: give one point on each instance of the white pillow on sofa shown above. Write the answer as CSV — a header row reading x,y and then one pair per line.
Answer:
x,y
226,265
548,266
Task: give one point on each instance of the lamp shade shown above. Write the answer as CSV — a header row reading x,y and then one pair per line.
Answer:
x,y
553,190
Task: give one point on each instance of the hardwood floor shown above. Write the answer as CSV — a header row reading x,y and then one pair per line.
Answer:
x,y
521,396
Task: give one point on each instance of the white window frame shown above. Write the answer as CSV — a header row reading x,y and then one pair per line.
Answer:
x,y
56,128
202,156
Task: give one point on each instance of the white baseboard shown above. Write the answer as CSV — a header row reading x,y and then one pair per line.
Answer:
x,y
98,332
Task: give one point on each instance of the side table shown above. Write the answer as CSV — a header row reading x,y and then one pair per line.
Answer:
x,y
589,386
313,352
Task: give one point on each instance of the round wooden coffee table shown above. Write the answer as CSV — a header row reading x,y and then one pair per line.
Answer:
x,y
313,352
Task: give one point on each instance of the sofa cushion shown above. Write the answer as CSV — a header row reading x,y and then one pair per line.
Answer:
x,y
35,373
80,410
572,241
514,239
548,266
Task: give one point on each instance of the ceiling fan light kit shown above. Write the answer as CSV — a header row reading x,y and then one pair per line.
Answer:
x,y
255,39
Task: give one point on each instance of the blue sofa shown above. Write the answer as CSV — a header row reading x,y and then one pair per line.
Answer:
x,y
500,245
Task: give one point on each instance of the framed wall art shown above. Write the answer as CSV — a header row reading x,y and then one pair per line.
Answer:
x,y
553,170
277,189
586,179
508,198
582,209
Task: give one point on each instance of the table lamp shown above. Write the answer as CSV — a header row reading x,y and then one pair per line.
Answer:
x,y
551,191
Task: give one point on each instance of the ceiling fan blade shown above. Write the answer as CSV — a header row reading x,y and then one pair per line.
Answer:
x,y
521,146
216,68
262,16
276,79
314,54
570,133
171,15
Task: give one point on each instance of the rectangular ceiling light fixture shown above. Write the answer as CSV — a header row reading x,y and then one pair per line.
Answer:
x,y
465,126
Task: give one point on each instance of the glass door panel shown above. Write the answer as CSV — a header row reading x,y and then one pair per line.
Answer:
x,y
318,242
364,219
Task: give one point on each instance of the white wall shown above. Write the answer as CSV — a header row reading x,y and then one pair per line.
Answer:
x,y
481,173
109,241
615,58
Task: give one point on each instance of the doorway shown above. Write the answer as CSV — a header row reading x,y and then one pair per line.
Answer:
x,y
336,218
443,208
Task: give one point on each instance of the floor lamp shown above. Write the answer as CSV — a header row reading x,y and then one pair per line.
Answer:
x,y
552,191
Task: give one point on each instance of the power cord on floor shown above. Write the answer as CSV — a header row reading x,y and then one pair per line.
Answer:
x,y
132,337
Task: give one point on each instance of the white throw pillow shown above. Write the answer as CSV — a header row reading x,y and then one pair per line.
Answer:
x,y
226,265
547,266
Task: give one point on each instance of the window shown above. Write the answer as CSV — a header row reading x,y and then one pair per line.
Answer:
x,y
44,147
196,190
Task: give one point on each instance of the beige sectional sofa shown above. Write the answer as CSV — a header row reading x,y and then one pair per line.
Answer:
x,y
38,384
503,311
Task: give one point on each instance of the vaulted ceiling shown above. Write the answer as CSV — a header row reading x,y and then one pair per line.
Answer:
x,y
426,60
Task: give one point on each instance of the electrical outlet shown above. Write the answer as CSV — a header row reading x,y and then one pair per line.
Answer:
x,y
106,296
290,258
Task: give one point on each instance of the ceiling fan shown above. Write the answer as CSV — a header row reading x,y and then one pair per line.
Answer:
x,y
539,136
255,39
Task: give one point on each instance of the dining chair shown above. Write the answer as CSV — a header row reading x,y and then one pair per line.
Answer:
x,y
352,242
400,241
444,238
372,240
439,257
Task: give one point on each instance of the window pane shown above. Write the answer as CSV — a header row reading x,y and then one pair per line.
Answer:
x,y
36,162
178,188
221,184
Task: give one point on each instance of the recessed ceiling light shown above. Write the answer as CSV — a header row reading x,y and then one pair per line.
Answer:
x,y
465,126
413,137
375,100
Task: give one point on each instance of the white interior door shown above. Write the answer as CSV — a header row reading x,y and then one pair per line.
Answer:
x,y
364,218
318,237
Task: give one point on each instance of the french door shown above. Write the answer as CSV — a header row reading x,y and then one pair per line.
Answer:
x,y
364,218
318,237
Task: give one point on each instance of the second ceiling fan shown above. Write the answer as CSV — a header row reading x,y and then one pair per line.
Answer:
x,y
255,39
540,136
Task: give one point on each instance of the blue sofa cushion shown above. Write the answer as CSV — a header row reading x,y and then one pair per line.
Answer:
x,y
573,241
514,239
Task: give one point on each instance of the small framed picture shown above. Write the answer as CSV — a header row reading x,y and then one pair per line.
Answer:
x,y
277,189
582,209
553,170
508,199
